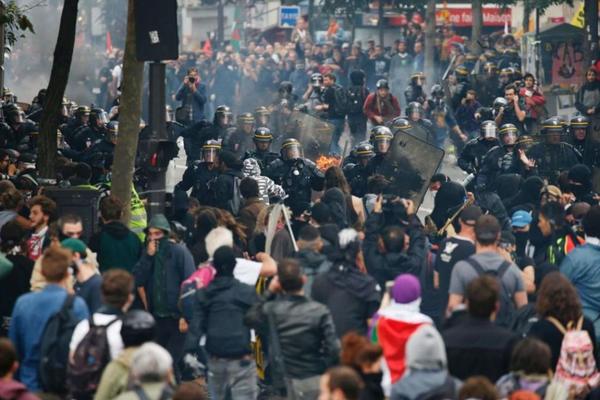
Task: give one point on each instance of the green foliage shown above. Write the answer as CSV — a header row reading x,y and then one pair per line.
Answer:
x,y
16,23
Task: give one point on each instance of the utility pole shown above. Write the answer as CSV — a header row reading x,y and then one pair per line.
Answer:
x,y
220,23
158,129
380,22
2,44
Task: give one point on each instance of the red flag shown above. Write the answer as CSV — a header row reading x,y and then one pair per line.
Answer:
x,y
109,47
207,48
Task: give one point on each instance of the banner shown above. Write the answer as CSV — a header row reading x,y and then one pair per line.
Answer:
x,y
462,17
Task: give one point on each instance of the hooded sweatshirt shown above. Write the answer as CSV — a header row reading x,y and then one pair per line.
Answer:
x,y
115,376
116,246
266,187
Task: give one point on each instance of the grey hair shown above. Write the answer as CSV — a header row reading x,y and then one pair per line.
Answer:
x,y
218,237
151,363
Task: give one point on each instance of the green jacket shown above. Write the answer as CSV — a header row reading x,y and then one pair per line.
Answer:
x,y
116,246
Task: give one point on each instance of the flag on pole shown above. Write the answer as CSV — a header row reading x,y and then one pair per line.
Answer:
x,y
109,46
207,48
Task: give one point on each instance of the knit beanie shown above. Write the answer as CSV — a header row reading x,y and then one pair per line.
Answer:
x,y
406,289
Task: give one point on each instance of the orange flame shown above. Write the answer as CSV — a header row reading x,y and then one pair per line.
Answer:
x,y
324,162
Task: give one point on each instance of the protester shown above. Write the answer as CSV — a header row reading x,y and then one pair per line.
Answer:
x,y
9,364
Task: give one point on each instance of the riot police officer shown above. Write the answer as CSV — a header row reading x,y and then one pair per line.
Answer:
x,y
96,130
506,158
403,179
553,156
262,151
462,76
421,127
471,157
198,176
581,140
21,133
77,124
357,173
298,176
196,135
262,115
240,140
414,91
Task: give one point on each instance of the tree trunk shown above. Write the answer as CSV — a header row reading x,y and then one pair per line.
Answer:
x,y
526,15
61,65
477,13
591,22
430,42
130,109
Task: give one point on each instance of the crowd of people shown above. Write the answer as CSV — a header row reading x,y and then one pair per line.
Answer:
x,y
273,276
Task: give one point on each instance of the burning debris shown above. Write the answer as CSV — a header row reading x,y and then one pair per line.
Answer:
x,y
324,162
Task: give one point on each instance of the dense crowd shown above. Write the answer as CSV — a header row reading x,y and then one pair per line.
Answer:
x,y
306,272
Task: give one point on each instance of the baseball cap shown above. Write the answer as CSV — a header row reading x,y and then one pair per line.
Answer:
x,y
521,219
75,245
487,228
470,215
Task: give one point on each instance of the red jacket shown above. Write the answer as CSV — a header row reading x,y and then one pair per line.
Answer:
x,y
533,103
376,107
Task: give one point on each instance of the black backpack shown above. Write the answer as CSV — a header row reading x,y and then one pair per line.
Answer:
x,y
507,311
342,100
54,348
235,203
91,356
356,99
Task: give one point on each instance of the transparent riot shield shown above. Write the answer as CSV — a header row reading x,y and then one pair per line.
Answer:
x,y
314,133
413,163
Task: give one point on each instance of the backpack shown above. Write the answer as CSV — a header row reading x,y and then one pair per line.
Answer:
x,y
236,200
54,348
342,100
507,308
356,99
446,390
91,357
576,365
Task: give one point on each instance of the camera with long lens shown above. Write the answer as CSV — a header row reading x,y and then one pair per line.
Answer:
x,y
191,79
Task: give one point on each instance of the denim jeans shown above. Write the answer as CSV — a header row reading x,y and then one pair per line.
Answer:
x,y
232,379
358,128
338,124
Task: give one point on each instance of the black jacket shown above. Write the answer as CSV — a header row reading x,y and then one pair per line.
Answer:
x,y
223,189
387,266
306,332
478,347
219,311
351,296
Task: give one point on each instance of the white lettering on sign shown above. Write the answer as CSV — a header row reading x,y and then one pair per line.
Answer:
x,y
154,37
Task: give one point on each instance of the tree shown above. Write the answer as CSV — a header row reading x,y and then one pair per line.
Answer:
x,y
59,77
477,14
130,109
15,21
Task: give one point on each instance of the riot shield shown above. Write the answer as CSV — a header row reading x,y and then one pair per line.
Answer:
x,y
414,163
314,133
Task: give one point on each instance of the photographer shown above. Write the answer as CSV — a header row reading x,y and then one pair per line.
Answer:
x,y
534,102
514,112
394,242
192,94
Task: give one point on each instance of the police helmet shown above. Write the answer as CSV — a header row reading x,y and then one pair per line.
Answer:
x,y
399,123
490,54
245,118
579,122
417,76
413,109
488,130
364,150
113,127
509,134
290,149
437,91
13,113
461,71
262,111
98,114
381,137
500,102
553,125
490,67
210,149
222,110
82,110
316,79
263,134
382,84
285,87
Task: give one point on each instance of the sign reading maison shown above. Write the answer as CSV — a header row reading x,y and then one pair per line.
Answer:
x,y
462,16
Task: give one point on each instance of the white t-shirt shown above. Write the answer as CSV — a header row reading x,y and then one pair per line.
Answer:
x,y
113,333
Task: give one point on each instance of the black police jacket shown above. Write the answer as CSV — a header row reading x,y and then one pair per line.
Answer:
x,y
471,157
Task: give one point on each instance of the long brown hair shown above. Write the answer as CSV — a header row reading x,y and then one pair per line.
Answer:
x,y
334,177
227,220
558,298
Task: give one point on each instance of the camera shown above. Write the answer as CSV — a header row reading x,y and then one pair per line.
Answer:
x,y
191,79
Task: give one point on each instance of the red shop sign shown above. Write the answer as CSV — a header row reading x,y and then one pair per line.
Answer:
x,y
462,17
